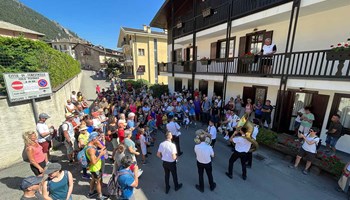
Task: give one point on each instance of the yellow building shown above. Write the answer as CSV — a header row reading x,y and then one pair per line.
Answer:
x,y
143,50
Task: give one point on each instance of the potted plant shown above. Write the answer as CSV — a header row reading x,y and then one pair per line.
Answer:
x,y
205,61
247,58
341,51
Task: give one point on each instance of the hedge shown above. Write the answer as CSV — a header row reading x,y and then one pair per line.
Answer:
x,y
24,55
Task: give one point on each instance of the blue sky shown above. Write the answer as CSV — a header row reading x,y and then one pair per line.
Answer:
x,y
97,21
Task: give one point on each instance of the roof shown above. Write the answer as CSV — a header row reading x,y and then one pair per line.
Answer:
x,y
99,49
160,19
139,32
12,27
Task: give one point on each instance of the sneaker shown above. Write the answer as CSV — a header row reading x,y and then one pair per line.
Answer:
x,y
102,197
85,176
305,172
292,166
228,175
91,195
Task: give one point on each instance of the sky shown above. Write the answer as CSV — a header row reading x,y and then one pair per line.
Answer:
x,y
97,21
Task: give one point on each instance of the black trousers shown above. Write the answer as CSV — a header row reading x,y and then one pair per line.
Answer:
x,y
249,158
208,169
235,155
176,140
213,141
205,117
170,167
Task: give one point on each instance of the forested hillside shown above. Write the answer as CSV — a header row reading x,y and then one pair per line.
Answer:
x,y
16,13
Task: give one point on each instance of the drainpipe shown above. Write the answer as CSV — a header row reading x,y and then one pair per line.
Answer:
x,y
149,60
135,57
194,56
172,39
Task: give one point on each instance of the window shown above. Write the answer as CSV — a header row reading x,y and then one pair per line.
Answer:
x,y
141,52
55,46
178,55
256,42
64,47
222,49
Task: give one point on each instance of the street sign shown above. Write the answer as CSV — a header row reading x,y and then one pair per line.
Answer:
x,y
140,70
24,86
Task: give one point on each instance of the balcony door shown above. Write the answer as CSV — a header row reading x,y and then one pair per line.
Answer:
x,y
178,84
203,87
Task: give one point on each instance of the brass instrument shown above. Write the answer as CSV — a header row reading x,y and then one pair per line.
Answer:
x,y
202,132
244,122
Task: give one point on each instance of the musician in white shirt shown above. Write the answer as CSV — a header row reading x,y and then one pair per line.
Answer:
x,y
267,52
204,153
167,152
241,149
174,128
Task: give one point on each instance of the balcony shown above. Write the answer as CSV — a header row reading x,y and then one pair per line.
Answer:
x,y
218,14
306,64
127,76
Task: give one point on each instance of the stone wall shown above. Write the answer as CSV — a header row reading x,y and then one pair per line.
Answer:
x,y
17,118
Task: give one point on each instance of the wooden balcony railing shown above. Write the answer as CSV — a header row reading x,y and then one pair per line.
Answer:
x,y
302,64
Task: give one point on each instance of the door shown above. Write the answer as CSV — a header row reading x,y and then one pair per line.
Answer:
x,y
203,87
178,85
300,100
189,85
248,93
282,117
319,105
218,88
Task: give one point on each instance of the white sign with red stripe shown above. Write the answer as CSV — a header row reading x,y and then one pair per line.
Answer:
x,y
24,86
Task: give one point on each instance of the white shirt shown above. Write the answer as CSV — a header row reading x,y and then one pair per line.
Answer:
x,y
310,148
96,122
234,120
70,106
142,141
67,126
42,128
73,97
268,49
174,128
302,111
204,152
167,149
255,132
212,131
242,144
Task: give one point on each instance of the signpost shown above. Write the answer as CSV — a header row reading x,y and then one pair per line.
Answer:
x,y
26,86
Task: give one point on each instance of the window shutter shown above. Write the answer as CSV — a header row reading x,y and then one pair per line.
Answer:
x,y
242,46
185,55
213,47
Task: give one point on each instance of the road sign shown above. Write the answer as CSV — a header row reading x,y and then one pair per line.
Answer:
x,y
24,86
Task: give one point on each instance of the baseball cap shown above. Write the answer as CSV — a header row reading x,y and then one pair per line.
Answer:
x,y
44,116
52,167
93,135
30,181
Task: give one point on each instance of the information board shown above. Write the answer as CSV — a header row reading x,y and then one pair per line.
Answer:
x,y
24,86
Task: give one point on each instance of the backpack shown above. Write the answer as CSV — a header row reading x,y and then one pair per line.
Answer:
x,y
60,133
113,186
82,157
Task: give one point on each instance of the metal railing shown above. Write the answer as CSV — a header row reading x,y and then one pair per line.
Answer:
x,y
313,64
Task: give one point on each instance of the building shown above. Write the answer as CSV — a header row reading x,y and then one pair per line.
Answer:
x,y
95,57
210,42
11,30
65,45
143,49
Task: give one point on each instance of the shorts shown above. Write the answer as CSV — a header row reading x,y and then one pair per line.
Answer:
x,y
296,125
96,175
70,148
266,61
331,141
307,155
46,146
144,150
304,130
36,170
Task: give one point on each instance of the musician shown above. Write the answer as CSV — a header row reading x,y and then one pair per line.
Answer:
x,y
212,131
204,153
242,146
173,127
254,135
167,152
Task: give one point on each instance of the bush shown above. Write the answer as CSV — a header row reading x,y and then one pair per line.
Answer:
x,y
137,84
267,137
158,90
23,55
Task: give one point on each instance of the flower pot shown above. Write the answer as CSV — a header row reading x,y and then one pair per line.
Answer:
x,y
247,60
338,55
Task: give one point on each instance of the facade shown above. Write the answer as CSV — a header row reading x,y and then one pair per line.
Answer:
x,y
94,57
11,30
143,49
303,71
65,46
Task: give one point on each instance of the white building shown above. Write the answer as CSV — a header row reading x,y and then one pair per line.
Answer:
x,y
302,30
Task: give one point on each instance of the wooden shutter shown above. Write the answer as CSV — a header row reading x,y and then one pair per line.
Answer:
x,y
286,110
319,105
248,92
213,50
242,46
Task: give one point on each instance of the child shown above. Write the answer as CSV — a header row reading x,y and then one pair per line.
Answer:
x,y
143,144
186,120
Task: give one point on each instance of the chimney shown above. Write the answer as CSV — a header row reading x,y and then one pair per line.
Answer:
x,y
145,28
165,31
148,29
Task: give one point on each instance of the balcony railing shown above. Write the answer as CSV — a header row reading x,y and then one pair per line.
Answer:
x,y
311,64
219,14
127,76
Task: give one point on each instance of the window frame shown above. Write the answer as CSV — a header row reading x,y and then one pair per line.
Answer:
x,y
141,52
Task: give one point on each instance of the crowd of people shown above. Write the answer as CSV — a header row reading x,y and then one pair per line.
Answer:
x,y
132,121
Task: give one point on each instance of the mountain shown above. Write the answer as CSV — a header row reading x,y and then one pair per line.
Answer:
x,y
14,12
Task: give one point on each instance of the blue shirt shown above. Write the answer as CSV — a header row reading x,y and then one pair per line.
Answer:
x,y
125,182
90,129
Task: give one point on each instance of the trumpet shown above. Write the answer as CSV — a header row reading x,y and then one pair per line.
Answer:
x,y
200,133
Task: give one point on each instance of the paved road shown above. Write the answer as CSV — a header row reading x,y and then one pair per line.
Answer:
x,y
268,179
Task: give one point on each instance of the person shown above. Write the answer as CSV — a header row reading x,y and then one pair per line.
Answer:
x,y
297,121
308,149
59,184
215,114
204,153
238,105
70,107
168,153
31,186
98,89
344,181
206,105
112,131
267,52
306,121
128,178
257,110
121,127
119,154
44,134
333,134
130,146
173,127
83,140
212,131
34,151
143,144
266,114
69,142
95,165
242,146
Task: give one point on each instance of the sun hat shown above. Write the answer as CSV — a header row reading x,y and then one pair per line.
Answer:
x,y
30,181
52,167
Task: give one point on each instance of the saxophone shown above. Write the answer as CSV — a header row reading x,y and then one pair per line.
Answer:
x,y
244,122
